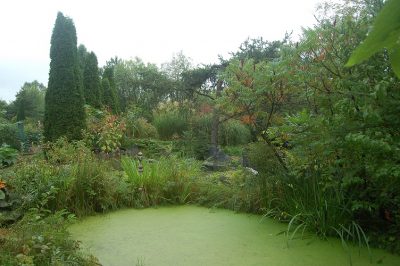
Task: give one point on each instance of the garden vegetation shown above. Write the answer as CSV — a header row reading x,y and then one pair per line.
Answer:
x,y
293,133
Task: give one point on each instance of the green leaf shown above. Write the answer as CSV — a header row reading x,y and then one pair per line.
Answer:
x,y
384,34
2,195
395,59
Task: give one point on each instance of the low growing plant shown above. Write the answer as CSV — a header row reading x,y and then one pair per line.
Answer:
x,y
8,156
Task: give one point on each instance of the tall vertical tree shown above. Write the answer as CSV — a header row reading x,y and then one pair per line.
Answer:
x,y
64,101
109,90
109,95
91,81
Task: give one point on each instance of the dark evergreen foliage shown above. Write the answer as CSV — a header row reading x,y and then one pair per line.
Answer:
x,y
109,95
64,102
110,98
91,81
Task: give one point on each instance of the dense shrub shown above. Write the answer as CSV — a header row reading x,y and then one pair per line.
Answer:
x,y
236,190
42,239
64,152
141,128
233,132
151,148
262,158
8,156
9,135
168,180
304,198
33,132
105,131
92,188
171,125
196,140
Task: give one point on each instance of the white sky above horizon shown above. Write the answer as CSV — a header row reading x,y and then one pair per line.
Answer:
x,y
152,30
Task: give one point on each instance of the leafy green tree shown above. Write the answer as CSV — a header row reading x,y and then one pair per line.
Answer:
x,y
259,50
64,101
30,101
178,64
346,137
174,70
91,81
140,84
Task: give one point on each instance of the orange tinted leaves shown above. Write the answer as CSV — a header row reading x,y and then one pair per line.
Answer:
x,y
248,119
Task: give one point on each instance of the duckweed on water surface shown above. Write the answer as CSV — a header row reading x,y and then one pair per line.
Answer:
x,y
189,235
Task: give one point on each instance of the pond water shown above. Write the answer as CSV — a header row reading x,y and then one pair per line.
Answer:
x,y
191,236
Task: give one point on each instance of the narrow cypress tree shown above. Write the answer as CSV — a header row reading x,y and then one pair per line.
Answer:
x,y
109,96
91,81
112,100
64,102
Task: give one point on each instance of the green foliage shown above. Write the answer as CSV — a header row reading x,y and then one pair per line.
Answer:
x,y
33,182
235,190
8,135
64,101
42,239
138,126
33,132
196,140
109,96
64,152
91,81
8,156
167,180
144,129
234,133
105,131
171,124
92,188
385,33
152,148
261,158
142,85
258,50
29,101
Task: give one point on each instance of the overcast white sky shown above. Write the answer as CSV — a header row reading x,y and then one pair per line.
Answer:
x,y
150,29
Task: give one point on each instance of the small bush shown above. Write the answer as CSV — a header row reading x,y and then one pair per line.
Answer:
x,y
8,156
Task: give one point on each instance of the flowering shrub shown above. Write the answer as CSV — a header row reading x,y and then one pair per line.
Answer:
x,y
105,131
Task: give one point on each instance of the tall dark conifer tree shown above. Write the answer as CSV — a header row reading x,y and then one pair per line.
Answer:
x,y
64,102
110,97
91,81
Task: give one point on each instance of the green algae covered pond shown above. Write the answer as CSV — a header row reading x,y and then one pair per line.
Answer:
x,y
190,235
